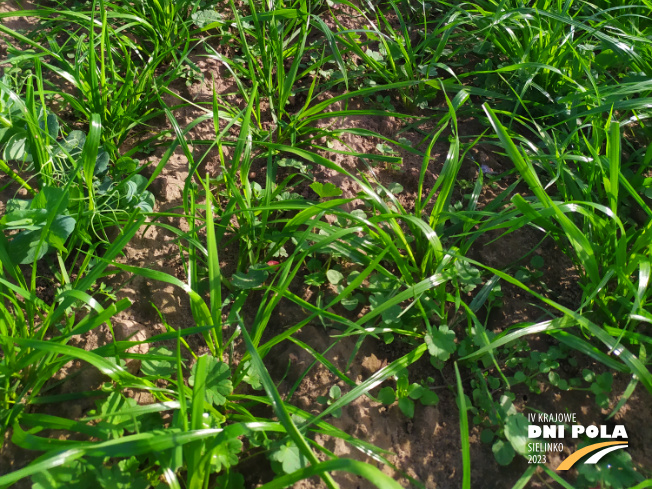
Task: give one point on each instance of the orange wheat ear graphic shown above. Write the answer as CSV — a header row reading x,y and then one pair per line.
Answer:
x,y
612,445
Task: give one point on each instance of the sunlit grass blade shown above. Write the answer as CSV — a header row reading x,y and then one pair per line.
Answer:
x,y
214,273
613,155
91,147
464,432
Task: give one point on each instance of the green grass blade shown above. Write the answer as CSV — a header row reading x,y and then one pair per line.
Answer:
x,y
369,472
464,432
91,148
214,273
613,155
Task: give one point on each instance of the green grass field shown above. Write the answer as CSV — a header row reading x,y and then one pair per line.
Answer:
x,y
230,227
